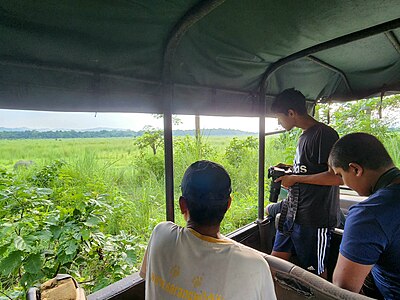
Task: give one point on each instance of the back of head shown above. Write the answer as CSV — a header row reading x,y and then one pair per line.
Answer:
x,y
361,148
206,186
289,99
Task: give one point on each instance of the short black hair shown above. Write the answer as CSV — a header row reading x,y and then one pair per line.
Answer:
x,y
206,186
289,99
361,148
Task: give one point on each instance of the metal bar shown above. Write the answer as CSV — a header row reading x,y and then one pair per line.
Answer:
x,y
168,154
332,68
261,170
261,157
345,39
393,40
274,132
195,14
197,129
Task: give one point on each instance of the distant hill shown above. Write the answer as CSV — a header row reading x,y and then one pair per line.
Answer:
x,y
14,133
60,129
14,129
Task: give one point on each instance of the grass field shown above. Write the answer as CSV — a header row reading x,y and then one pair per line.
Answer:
x,y
121,166
110,195
129,181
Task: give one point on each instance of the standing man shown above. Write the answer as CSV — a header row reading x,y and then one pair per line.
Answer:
x,y
313,201
371,238
197,261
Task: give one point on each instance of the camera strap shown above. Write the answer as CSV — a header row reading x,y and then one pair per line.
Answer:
x,y
289,210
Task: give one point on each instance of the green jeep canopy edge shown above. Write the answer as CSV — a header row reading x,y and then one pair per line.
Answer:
x,y
111,56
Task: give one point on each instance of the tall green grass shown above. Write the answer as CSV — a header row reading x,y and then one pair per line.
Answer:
x,y
139,176
133,180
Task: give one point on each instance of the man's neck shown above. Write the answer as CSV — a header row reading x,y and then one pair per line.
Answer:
x,y
305,122
377,175
207,230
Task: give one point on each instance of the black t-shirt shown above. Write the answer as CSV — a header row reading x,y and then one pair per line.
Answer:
x,y
318,205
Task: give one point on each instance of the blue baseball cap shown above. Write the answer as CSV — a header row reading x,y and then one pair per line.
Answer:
x,y
206,181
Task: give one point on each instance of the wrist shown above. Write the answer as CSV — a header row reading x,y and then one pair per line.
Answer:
x,y
297,178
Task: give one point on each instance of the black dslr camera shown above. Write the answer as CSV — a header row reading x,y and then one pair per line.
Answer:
x,y
275,187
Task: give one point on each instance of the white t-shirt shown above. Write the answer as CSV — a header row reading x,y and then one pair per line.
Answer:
x,y
180,263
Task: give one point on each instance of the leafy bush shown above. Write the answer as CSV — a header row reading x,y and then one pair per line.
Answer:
x,y
152,138
367,115
285,144
239,148
42,236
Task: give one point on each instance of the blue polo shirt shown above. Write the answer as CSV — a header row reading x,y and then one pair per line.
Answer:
x,y
372,237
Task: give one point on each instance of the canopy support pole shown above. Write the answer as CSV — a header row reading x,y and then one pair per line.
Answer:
x,y
261,171
332,68
195,14
261,160
168,154
345,39
393,40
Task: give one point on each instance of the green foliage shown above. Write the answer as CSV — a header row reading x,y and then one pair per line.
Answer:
x,y
151,166
175,119
151,137
368,115
286,144
192,149
41,236
45,176
240,148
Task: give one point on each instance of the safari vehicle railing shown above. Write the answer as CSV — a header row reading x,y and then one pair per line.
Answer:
x,y
221,58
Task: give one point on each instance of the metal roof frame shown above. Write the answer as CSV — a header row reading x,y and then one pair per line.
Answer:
x,y
194,15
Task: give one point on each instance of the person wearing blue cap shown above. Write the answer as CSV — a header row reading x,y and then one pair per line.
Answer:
x,y
197,261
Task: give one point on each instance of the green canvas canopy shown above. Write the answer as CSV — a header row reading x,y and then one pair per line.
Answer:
x,y
199,57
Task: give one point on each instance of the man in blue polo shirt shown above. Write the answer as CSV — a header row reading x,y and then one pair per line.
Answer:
x,y
369,253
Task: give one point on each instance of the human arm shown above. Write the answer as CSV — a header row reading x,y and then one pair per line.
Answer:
x,y
324,178
350,275
363,243
143,268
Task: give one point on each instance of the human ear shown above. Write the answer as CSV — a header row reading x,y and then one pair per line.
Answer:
x,y
183,205
357,169
229,202
291,113
184,208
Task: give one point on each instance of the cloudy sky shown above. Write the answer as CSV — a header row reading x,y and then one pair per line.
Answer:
x,y
77,121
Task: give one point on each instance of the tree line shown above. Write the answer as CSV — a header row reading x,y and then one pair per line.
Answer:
x,y
68,134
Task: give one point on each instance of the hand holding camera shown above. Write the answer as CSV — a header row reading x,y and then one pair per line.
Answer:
x,y
276,172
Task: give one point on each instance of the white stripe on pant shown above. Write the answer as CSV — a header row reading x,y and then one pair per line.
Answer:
x,y
322,241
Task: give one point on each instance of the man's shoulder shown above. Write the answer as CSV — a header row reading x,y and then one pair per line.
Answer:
x,y
320,129
165,228
379,204
165,225
327,129
248,253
